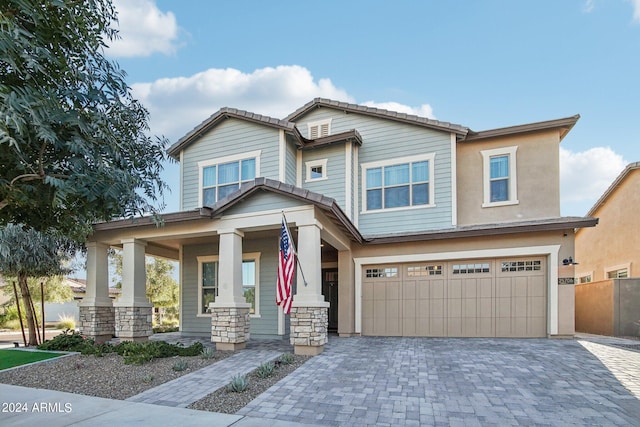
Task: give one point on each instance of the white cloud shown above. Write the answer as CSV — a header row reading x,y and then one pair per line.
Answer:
x,y
177,105
144,29
636,10
588,6
424,110
585,175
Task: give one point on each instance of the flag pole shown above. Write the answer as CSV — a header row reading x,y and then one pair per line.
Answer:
x,y
295,251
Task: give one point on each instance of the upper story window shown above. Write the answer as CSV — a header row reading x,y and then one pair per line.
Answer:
x,y
499,177
398,183
316,170
221,177
618,274
319,129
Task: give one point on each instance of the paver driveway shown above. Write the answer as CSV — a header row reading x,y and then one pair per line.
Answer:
x,y
465,382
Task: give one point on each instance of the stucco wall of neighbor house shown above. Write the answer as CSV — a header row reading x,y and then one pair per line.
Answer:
x,y
614,241
565,293
609,307
537,173
231,137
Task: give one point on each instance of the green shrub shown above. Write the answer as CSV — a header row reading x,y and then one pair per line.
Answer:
x,y
137,353
265,370
69,341
239,383
208,353
180,365
286,359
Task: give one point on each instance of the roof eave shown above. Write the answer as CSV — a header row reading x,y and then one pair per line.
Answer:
x,y
564,125
615,184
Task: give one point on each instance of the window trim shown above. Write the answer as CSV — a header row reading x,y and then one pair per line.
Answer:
x,y
221,160
430,157
319,124
249,256
486,176
313,163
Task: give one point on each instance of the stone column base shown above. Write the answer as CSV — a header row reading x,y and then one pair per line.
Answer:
x,y
97,322
134,323
229,326
309,329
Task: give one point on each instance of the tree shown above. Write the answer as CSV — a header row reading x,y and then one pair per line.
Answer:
x,y
24,253
73,143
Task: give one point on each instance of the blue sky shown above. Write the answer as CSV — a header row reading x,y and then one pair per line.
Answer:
x,y
482,64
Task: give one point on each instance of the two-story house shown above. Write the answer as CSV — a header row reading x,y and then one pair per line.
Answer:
x,y
405,226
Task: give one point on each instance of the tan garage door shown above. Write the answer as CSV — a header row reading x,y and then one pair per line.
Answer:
x,y
467,298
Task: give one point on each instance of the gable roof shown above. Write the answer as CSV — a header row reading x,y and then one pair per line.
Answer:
x,y
564,125
377,112
616,183
221,115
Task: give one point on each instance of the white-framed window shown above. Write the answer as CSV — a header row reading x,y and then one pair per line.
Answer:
x,y
381,272
319,129
208,282
396,184
470,268
316,170
500,186
222,176
618,271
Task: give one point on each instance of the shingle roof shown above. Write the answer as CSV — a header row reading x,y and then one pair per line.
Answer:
x,y
378,112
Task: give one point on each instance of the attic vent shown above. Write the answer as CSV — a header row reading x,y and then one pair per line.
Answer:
x,y
319,129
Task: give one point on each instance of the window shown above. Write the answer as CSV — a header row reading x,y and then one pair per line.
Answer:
x,y
499,177
221,177
319,129
208,281
533,265
618,274
585,279
471,268
424,270
316,170
399,183
382,272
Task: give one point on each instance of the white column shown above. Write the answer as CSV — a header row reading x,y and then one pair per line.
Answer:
x,y
134,274
230,268
309,255
97,293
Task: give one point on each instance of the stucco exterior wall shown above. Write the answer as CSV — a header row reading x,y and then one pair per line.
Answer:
x,y
537,172
614,241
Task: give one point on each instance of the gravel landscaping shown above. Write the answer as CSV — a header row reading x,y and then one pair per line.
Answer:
x,y
111,378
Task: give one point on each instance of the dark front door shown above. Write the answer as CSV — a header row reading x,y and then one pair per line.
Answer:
x,y
330,292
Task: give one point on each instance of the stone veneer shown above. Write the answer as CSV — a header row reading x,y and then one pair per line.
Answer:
x,y
309,329
230,327
97,322
134,323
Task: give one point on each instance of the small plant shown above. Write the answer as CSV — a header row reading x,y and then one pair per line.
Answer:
x,y
286,359
265,370
238,384
208,353
66,322
180,365
147,378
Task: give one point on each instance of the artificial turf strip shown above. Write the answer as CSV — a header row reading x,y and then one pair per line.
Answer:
x,y
11,358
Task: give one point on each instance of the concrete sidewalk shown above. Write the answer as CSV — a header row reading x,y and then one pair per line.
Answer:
x,y
22,406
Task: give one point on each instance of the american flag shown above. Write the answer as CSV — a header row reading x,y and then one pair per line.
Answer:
x,y
286,267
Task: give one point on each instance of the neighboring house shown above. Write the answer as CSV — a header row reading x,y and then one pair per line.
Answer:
x,y
612,249
54,310
608,270
405,226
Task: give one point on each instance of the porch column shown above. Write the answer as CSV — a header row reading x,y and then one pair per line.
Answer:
x,y
309,311
96,309
346,294
230,311
133,310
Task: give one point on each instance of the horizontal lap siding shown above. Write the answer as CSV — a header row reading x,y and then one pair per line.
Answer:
x,y
230,137
290,162
385,140
264,202
333,186
267,323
